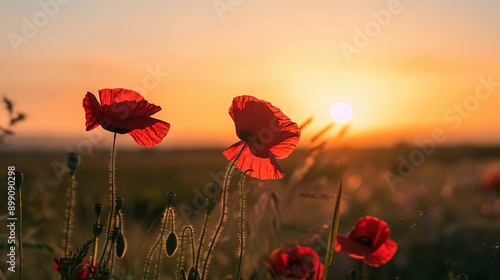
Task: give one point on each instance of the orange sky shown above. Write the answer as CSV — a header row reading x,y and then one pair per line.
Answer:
x,y
405,79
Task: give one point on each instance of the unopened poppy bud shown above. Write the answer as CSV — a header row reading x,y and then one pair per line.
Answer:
x,y
97,229
354,274
98,209
193,274
214,188
115,233
182,274
19,177
211,203
171,244
121,246
72,160
119,203
170,198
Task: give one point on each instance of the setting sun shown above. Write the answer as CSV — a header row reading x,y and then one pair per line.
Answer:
x,y
341,112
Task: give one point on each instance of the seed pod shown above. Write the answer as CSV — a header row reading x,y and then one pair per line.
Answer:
x,y
171,244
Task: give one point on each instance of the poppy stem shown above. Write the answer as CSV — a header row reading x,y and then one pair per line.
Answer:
x,y
180,264
364,271
20,233
149,258
69,216
223,210
112,202
202,237
242,221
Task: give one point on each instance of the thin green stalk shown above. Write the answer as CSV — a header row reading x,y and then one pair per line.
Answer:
x,y
112,189
96,243
242,235
202,237
333,231
181,256
160,242
20,233
160,238
364,271
69,217
223,210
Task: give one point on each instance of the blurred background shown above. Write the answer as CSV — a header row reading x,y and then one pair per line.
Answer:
x,y
417,132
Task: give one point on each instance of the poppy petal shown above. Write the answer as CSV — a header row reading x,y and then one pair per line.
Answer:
x,y
383,254
286,142
265,121
93,112
115,95
348,245
151,134
377,230
263,168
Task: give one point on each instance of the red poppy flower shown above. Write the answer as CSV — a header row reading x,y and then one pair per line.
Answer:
x,y
267,135
125,111
369,240
490,180
295,262
84,272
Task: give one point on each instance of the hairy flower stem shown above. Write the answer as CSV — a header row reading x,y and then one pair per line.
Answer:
x,y
202,237
158,241
69,216
223,210
93,257
190,230
364,271
242,221
20,233
112,189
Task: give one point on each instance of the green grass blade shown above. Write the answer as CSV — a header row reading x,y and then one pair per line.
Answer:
x,y
333,231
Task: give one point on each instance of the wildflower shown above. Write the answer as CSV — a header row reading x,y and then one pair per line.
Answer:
x,y
125,111
295,262
266,133
368,240
490,179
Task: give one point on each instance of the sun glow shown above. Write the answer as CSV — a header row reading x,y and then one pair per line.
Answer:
x,y
341,112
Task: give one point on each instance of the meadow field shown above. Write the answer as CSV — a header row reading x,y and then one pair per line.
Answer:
x,y
443,213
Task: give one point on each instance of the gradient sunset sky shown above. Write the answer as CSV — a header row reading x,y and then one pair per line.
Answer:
x,y
407,77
